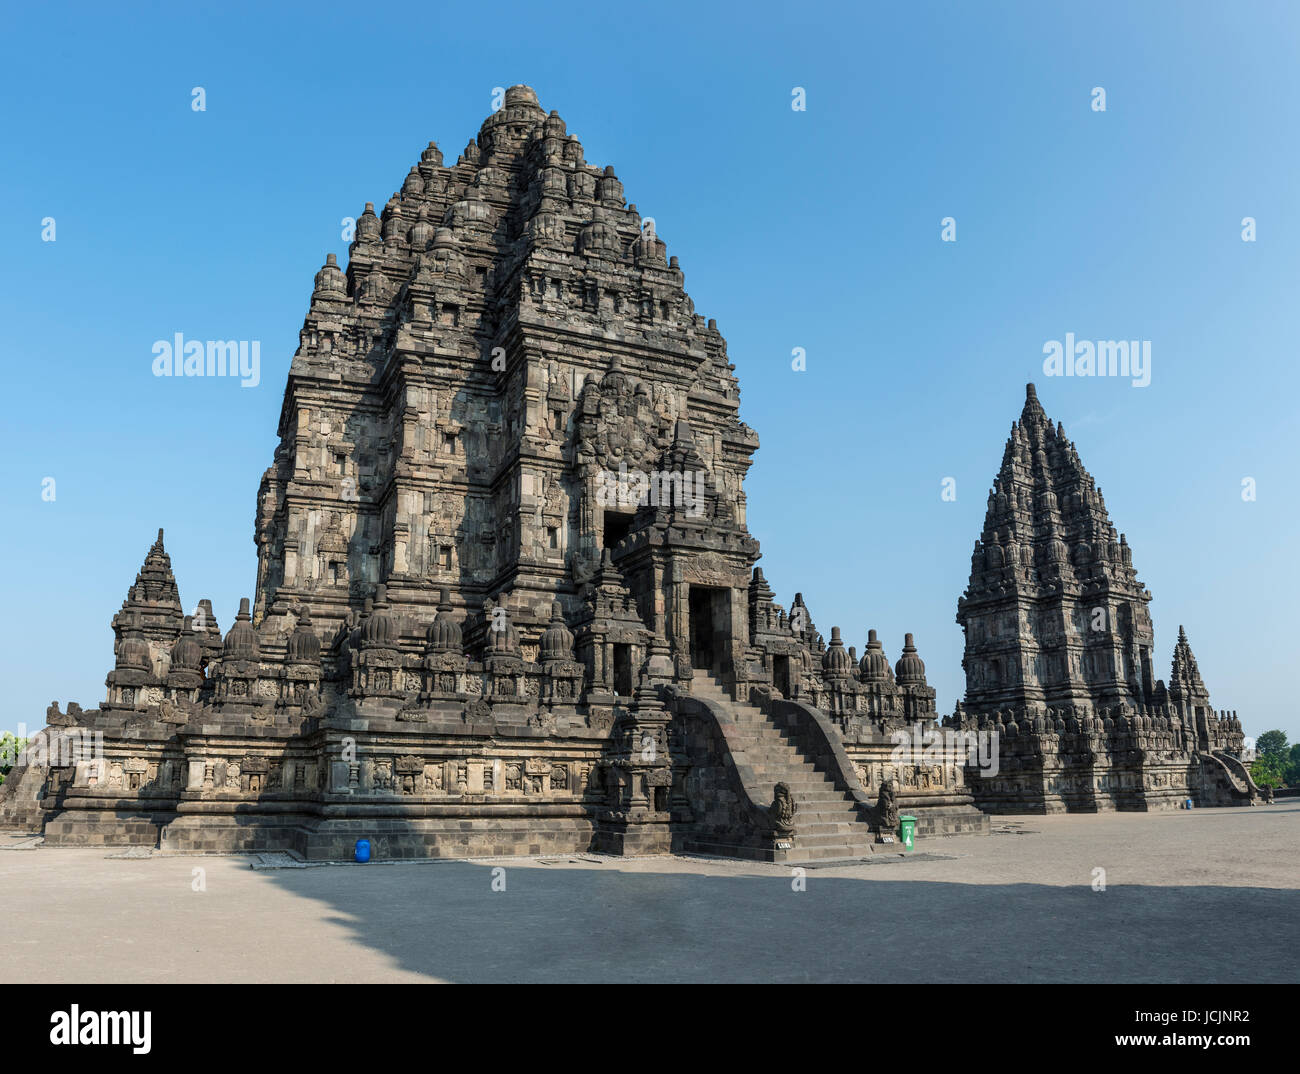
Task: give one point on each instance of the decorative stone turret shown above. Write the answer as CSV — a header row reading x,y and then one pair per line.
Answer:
x,y
238,674
917,696
557,641
639,777
185,675
241,640
563,673
207,632
611,638
132,677
835,661
330,280
502,657
1185,685
153,606
910,669
302,666
1190,700
874,667
304,643
443,635
502,638
133,651
444,662
378,631
377,663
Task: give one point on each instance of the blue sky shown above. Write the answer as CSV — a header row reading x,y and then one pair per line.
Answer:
x,y
817,229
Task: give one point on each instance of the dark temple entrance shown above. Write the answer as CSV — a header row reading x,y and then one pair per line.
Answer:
x,y
709,627
616,525
623,670
781,674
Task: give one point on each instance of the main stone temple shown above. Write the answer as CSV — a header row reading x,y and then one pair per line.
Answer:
x,y
507,601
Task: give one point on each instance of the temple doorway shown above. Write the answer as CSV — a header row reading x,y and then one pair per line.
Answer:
x,y
781,674
623,670
708,627
615,526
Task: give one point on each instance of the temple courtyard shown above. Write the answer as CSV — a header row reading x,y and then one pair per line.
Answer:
x,y
1209,895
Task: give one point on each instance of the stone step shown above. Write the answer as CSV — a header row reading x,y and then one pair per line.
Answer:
x,y
826,816
807,790
838,845
760,759
828,809
776,749
758,733
758,723
719,698
822,799
768,755
801,853
800,769
740,711
828,802
824,834
815,798
792,779
755,733
774,746
842,828
781,756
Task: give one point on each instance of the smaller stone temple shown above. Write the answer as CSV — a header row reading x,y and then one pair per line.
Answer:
x,y
1059,665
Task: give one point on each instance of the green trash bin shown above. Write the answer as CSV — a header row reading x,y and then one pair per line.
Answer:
x,y
906,830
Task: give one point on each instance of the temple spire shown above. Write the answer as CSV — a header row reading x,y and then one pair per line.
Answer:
x,y
1033,410
1050,557
153,600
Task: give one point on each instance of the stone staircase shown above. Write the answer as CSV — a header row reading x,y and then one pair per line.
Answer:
x,y
1234,774
828,824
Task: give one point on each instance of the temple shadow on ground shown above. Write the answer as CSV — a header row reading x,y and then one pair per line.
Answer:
x,y
564,923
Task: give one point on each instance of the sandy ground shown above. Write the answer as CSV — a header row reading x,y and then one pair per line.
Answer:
x,y
1204,895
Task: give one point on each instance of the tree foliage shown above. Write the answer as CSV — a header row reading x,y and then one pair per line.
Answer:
x,y
1271,742
10,747
1269,770
1278,764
